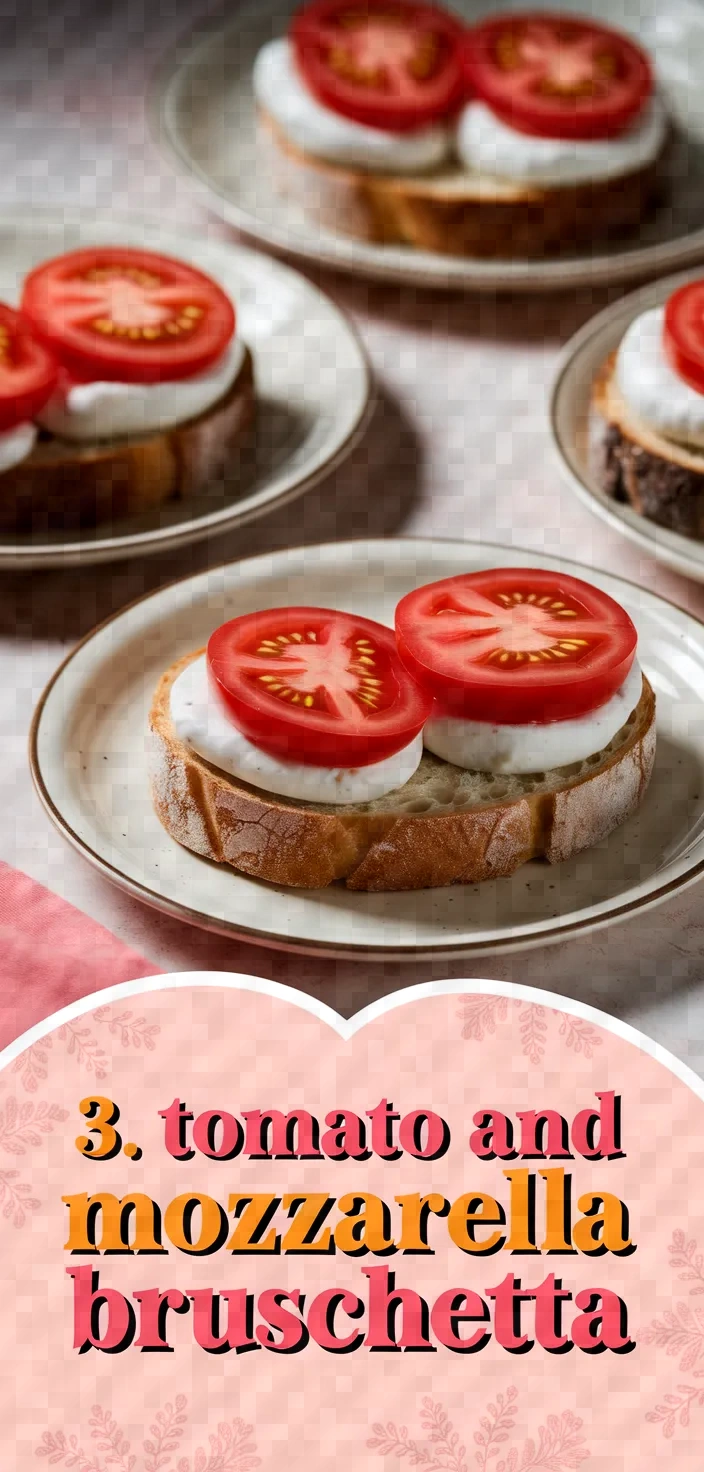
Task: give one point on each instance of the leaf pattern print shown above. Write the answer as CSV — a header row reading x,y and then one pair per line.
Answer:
x,y
481,1016
133,1033
231,1446
22,1127
230,1451
33,1065
558,1447
675,1409
533,1029
578,1034
684,1255
165,1435
495,1426
680,1333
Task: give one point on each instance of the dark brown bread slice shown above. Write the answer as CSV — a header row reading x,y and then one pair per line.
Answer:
x,y
455,213
446,826
62,486
661,480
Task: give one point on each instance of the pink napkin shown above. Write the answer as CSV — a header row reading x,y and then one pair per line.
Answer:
x,y
51,954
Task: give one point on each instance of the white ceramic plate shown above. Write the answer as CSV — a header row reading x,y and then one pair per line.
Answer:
x,y
89,764
570,405
204,113
313,385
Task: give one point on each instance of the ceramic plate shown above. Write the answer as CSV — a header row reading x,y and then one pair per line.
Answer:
x,y
313,386
569,420
90,767
204,113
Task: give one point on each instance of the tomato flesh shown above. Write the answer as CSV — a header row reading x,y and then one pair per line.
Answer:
x,y
683,334
128,315
515,646
314,686
28,373
556,76
390,64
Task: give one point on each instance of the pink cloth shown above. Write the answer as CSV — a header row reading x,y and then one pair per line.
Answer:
x,y
51,954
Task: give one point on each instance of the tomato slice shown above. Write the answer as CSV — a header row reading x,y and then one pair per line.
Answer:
x,y
391,64
683,333
558,76
28,372
516,646
128,315
314,686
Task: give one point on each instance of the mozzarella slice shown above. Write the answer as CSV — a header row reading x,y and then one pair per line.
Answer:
x,y
16,444
486,145
202,724
479,746
651,388
281,92
106,410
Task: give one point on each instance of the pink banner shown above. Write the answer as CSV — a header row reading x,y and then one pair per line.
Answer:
x,y
465,1233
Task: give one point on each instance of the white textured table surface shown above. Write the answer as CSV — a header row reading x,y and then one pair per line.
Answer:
x,y
459,446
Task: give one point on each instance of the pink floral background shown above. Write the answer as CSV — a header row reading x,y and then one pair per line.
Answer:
x,y
222,1048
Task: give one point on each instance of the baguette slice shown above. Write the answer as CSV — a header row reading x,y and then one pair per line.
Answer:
x,y
62,486
453,212
446,826
660,479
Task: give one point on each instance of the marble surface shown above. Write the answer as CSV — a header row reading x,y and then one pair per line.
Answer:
x,y
458,446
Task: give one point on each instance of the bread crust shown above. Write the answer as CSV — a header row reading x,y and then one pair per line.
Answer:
x,y
632,463
452,213
63,486
308,846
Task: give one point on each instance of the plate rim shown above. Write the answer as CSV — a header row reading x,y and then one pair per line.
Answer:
x,y
322,949
677,557
360,259
150,544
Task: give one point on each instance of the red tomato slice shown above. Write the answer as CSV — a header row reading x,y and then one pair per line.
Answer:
x,y
392,64
556,76
516,646
312,686
28,373
128,315
683,334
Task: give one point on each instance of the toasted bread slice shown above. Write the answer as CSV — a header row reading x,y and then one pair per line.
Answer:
x,y
446,826
454,212
660,479
63,485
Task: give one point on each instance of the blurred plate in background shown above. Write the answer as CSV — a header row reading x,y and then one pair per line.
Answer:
x,y
570,409
312,380
205,115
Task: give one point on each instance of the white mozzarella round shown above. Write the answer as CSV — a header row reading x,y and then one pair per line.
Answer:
x,y
106,411
651,389
201,723
479,746
16,444
316,129
486,145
